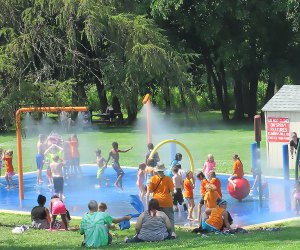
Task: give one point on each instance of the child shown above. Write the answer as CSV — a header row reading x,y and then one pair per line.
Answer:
x,y
140,182
215,181
1,162
102,208
178,158
58,207
50,153
296,194
209,165
57,176
211,197
177,181
40,157
75,155
204,182
101,166
114,154
9,169
238,171
189,185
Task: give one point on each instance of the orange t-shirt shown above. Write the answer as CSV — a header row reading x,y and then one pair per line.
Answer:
x,y
74,148
8,164
162,190
211,198
217,183
188,189
238,169
215,219
204,182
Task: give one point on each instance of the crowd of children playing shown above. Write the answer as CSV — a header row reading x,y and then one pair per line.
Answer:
x,y
170,191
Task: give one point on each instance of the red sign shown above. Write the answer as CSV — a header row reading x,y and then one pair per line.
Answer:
x,y
278,129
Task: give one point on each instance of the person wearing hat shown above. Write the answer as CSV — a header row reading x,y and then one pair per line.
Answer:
x,y
162,187
214,218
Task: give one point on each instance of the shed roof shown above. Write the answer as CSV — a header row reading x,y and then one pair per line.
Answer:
x,y
286,99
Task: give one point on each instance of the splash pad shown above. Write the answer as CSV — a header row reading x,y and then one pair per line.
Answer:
x,y
79,191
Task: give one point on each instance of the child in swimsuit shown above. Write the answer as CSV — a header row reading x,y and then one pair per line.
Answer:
x,y
114,154
101,167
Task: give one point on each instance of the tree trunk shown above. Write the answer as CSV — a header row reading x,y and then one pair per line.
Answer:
x,y
183,103
210,91
132,114
238,94
167,101
116,104
253,96
270,90
102,96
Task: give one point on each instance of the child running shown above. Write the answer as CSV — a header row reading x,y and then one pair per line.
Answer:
x,y
9,169
189,185
177,181
140,182
296,194
238,171
114,154
209,165
101,167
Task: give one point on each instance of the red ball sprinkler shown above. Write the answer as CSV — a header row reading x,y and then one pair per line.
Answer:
x,y
147,102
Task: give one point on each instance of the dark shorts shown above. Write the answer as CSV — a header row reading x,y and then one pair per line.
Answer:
x,y
201,202
178,197
58,183
39,161
118,169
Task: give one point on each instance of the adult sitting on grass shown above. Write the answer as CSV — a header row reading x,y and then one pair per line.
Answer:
x,y
162,186
40,215
93,226
152,225
214,218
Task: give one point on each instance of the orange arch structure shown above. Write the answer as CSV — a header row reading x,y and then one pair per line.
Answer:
x,y
19,137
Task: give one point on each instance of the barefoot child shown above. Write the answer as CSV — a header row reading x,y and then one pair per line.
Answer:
x,y
204,182
9,169
209,165
238,171
75,155
189,185
101,167
57,176
114,154
177,181
40,157
140,182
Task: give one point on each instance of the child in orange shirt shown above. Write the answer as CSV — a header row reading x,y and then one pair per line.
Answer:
x,y
189,185
238,170
211,197
9,169
204,182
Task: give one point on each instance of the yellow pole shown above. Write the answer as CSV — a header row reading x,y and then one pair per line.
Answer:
x,y
179,143
19,137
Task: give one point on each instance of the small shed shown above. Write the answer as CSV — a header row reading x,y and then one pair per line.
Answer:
x,y
282,117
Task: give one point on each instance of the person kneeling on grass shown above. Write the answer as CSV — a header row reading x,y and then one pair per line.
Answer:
x,y
93,226
214,218
152,225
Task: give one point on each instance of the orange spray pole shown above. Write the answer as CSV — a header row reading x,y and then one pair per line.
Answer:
x,y
19,137
147,102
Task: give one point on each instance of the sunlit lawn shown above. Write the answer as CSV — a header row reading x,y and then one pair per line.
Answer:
x,y
288,238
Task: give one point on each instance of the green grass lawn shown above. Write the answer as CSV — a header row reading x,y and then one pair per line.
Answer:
x,y
208,135
288,238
